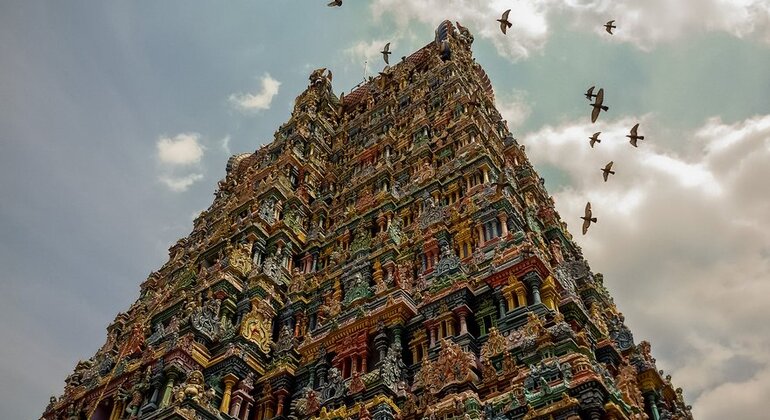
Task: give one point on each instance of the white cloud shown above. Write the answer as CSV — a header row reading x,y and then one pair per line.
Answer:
x,y
180,183
514,106
528,34
643,23
182,149
647,23
251,102
683,239
180,157
370,51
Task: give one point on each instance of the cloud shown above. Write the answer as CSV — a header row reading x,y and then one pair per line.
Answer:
x,y
178,156
642,23
250,102
369,51
514,106
529,32
682,239
648,23
182,149
180,183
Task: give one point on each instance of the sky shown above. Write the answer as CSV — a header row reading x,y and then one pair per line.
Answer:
x,y
117,119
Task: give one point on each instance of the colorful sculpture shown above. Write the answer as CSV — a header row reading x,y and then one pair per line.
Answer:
x,y
392,254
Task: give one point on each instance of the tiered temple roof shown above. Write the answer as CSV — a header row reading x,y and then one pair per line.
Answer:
x,y
390,254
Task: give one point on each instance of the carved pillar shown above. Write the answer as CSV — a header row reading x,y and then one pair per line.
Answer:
x,y
172,376
504,226
463,314
117,409
501,303
246,411
433,334
381,344
268,410
480,232
229,380
509,298
397,330
652,406
281,398
235,407
533,281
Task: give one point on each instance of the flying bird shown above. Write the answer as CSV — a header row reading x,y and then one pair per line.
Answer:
x,y
504,23
386,52
606,171
334,3
609,26
598,107
587,219
633,136
590,93
595,139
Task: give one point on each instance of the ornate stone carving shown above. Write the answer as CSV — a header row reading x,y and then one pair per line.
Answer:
x,y
256,326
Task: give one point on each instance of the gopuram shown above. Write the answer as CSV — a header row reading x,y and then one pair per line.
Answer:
x,y
391,254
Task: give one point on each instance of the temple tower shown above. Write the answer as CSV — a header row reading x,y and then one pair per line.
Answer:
x,y
391,254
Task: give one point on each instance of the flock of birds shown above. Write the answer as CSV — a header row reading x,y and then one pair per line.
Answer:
x,y
633,138
597,107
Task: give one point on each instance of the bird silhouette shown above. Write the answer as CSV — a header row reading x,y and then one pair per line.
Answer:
x,y
598,107
587,219
590,93
504,23
607,170
386,52
609,26
595,139
335,3
633,136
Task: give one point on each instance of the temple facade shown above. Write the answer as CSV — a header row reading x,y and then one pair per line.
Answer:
x,y
391,254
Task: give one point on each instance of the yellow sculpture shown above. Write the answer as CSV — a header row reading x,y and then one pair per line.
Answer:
x,y
256,325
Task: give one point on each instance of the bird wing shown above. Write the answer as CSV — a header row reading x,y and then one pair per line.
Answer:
x,y
503,27
588,210
633,141
387,47
609,165
385,57
586,223
605,174
633,129
600,96
610,23
505,14
590,91
595,113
